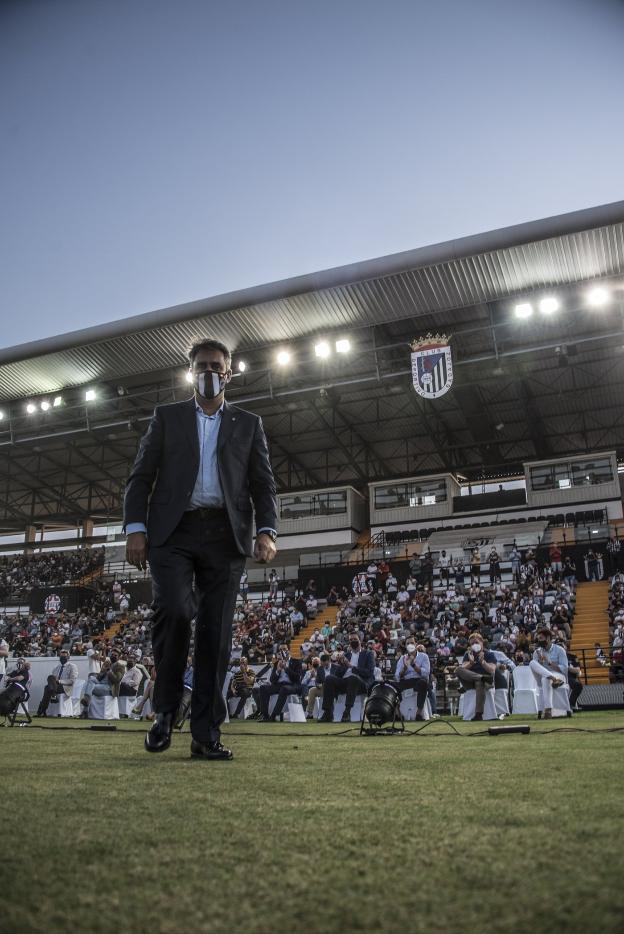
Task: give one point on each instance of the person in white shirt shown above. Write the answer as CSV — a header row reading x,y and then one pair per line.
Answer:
x,y
131,681
444,561
4,654
412,672
95,660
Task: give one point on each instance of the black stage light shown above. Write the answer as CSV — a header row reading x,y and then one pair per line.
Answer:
x,y
383,705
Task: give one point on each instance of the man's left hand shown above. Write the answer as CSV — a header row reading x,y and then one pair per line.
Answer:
x,y
264,549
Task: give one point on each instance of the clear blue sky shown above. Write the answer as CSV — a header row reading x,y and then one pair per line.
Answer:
x,y
159,151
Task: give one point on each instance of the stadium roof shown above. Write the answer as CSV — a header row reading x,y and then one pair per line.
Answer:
x,y
522,389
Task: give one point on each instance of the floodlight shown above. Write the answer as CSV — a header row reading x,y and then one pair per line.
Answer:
x,y
548,305
524,310
283,357
343,346
598,297
57,401
1,416
45,405
90,395
31,408
322,349
242,366
188,376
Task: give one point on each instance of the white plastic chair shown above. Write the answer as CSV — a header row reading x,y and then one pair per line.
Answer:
x,y
76,694
409,705
560,701
63,706
104,708
468,705
247,710
357,710
294,709
525,699
126,703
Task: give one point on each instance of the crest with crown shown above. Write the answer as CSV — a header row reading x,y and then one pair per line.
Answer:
x,y
429,341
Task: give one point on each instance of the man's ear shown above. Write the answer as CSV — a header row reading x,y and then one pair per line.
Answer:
x,y
228,375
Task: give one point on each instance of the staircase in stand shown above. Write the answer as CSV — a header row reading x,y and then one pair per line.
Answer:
x,y
591,624
327,615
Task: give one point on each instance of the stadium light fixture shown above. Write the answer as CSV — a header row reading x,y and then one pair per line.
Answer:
x,y
45,405
283,357
1,415
549,304
31,408
322,350
524,310
57,401
90,395
343,345
242,366
598,297
188,376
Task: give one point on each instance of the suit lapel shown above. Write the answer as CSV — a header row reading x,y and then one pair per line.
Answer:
x,y
228,424
189,422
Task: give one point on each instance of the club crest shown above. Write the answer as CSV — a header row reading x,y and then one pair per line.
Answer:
x,y
432,365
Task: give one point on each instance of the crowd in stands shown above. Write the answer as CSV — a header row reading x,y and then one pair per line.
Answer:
x,y
433,610
19,574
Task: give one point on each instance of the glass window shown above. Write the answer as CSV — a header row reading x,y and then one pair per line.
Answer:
x,y
310,505
571,473
411,494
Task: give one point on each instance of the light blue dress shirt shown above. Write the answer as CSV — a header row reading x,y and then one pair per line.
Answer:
x,y
556,654
207,491
422,660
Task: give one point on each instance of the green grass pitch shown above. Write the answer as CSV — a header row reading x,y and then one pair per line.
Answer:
x,y
311,829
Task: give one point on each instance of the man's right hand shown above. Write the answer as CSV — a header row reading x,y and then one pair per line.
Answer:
x,y
136,550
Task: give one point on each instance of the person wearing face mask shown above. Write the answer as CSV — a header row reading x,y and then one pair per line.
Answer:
x,y
61,681
412,672
477,671
104,684
202,470
550,666
352,673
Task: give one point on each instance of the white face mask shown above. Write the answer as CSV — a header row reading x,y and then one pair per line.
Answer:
x,y
475,647
410,648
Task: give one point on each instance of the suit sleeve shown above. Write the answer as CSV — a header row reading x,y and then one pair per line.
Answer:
x,y
262,482
143,473
366,670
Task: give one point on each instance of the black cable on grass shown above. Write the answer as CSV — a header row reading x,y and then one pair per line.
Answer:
x,y
349,733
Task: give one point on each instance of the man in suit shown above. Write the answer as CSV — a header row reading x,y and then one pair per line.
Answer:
x,y
205,464
285,679
61,681
353,673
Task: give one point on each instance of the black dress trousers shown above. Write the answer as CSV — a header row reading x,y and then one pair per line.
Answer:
x,y
201,550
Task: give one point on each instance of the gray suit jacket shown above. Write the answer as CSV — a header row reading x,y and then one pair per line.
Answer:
x,y
167,463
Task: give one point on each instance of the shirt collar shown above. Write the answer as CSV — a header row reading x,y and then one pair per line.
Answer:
x,y
199,409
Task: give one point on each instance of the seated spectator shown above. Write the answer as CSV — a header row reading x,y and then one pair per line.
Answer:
x,y
412,672
353,673
131,680
148,694
241,685
321,668
61,681
285,679
477,671
104,684
550,667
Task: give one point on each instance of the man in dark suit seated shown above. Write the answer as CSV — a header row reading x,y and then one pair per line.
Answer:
x,y
202,469
285,679
353,673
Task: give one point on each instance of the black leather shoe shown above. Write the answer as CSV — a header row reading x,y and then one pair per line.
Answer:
x,y
326,718
478,716
346,717
159,737
210,751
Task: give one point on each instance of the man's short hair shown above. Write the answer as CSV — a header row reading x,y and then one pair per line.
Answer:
x,y
207,343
